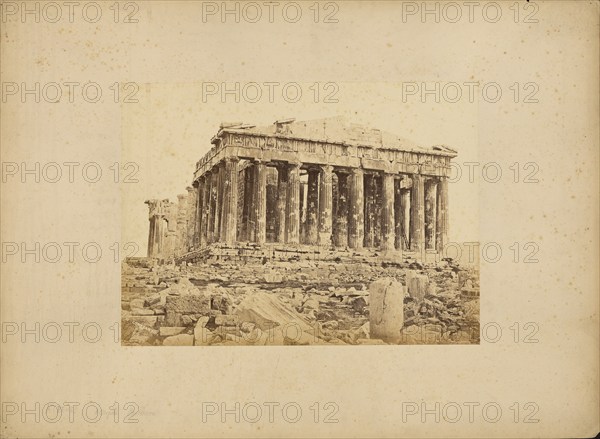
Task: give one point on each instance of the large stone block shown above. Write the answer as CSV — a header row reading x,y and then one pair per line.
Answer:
x,y
268,311
386,309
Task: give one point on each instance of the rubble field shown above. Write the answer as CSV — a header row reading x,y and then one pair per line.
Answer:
x,y
294,303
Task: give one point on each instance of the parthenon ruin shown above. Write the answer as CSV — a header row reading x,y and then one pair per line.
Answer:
x,y
320,183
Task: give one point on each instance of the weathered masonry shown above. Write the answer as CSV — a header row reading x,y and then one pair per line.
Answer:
x,y
316,183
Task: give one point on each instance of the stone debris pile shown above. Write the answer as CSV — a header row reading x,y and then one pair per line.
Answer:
x,y
298,303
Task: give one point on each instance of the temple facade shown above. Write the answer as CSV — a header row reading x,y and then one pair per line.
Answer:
x,y
320,183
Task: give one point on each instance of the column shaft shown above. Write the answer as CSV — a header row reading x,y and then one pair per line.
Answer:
x,y
417,214
356,209
248,220
293,205
282,182
442,214
340,238
205,213
369,208
230,192
198,216
326,205
312,207
151,233
430,214
261,203
191,223
212,208
405,218
389,223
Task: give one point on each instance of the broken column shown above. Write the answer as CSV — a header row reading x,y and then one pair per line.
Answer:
x,y
386,309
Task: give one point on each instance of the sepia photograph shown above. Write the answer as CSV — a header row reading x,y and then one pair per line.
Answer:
x,y
304,232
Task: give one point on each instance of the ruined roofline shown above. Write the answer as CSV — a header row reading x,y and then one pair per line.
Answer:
x,y
440,150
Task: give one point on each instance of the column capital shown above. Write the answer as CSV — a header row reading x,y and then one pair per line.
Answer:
x,y
295,165
357,171
232,159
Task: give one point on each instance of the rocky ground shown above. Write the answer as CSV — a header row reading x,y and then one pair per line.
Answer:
x,y
291,303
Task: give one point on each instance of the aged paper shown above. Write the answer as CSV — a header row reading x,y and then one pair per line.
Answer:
x,y
299,219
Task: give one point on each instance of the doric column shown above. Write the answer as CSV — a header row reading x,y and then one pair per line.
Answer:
x,y
230,192
326,205
378,210
356,218
198,214
340,229
442,214
205,209
405,219
261,202
282,182
389,224
417,214
398,213
219,201
159,228
430,213
248,227
151,233
210,225
191,218
293,205
312,207
371,218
